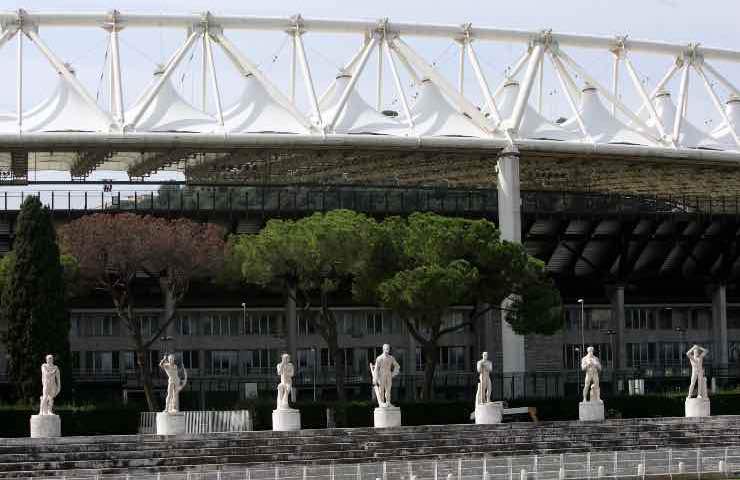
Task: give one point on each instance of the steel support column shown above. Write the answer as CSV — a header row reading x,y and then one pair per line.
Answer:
x,y
510,226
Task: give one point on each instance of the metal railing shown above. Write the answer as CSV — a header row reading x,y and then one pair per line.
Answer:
x,y
203,421
298,200
689,463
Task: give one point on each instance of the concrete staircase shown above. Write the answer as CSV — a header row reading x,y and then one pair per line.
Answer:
x,y
147,454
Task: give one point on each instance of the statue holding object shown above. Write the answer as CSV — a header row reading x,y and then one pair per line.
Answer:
x,y
51,385
174,386
592,366
382,371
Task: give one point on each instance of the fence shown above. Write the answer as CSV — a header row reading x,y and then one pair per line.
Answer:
x,y
203,421
689,463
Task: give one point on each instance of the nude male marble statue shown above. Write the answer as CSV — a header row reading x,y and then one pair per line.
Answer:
x,y
484,367
383,370
592,366
286,371
174,386
696,356
51,384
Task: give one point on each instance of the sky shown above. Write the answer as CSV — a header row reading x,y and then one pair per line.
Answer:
x,y
710,23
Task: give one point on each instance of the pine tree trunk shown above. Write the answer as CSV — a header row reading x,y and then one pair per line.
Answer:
x,y
430,354
146,377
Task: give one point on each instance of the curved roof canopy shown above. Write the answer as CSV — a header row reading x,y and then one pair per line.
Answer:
x,y
434,116
169,112
600,125
533,126
357,116
256,112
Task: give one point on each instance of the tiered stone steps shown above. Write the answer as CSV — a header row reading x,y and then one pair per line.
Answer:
x,y
87,456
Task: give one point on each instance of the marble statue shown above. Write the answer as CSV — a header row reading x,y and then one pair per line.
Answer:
x,y
286,371
174,386
51,384
592,366
385,368
696,358
484,368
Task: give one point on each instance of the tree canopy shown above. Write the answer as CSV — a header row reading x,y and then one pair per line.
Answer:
x,y
311,259
427,264
112,251
32,303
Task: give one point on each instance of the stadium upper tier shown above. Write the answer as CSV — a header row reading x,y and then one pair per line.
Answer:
x,y
559,92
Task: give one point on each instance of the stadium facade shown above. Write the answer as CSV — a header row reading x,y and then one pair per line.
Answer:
x,y
632,206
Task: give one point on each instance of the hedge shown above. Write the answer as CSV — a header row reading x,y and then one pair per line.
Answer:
x,y
108,420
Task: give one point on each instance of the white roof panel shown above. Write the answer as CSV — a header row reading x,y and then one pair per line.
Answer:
x,y
256,112
723,133
599,123
357,115
63,111
691,136
434,116
534,126
169,112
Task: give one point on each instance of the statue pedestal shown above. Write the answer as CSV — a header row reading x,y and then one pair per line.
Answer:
x,y
697,407
286,420
488,413
386,417
45,426
170,423
591,411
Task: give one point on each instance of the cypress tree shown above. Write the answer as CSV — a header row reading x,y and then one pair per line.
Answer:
x,y
32,304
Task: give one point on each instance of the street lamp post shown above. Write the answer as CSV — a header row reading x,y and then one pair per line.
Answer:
x,y
313,352
611,334
244,316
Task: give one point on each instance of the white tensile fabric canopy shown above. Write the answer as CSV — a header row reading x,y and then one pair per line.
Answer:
x,y
169,112
533,126
357,116
63,111
601,126
434,116
256,112
690,137
723,134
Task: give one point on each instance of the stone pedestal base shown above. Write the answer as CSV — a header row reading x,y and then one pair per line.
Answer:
x,y
286,420
387,417
697,407
591,411
45,426
170,423
488,413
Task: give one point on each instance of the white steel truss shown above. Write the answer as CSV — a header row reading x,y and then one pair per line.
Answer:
x,y
491,120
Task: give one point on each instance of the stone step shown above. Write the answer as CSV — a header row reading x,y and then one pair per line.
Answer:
x,y
151,453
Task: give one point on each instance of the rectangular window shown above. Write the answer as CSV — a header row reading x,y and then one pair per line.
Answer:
x,y
572,355
149,324
188,359
640,319
305,358
220,325
222,362
665,319
733,318
374,323
76,360
265,358
262,323
452,358
129,361
306,325
186,325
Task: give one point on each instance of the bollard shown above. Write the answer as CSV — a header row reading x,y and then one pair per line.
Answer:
x,y
640,470
523,474
681,467
600,471
561,473
722,466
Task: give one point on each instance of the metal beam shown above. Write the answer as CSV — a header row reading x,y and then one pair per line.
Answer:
x,y
641,89
148,20
562,75
307,78
682,102
67,75
214,78
483,83
718,105
526,87
172,63
352,82
399,86
605,92
463,105
246,66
